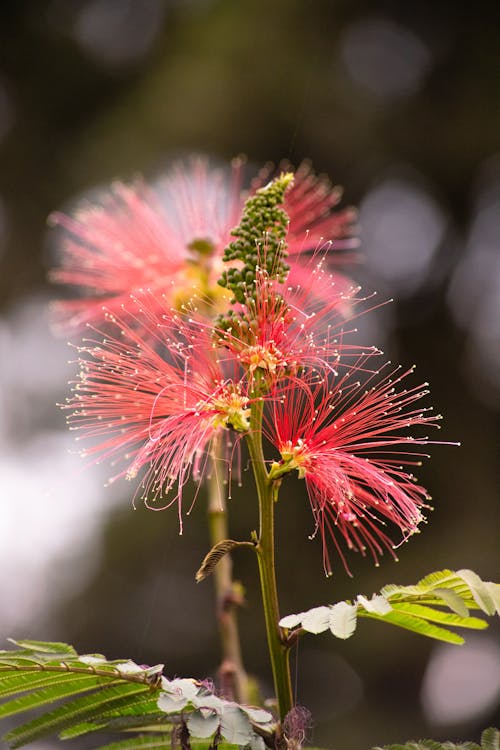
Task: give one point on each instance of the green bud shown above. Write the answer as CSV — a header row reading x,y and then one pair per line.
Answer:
x,y
259,239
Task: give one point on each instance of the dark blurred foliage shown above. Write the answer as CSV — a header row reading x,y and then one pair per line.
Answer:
x,y
92,90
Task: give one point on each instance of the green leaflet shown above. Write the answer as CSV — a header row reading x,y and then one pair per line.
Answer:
x,y
444,597
490,740
159,742
430,745
86,694
18,683
418,625
51,649
75,711
137,716
421,745
60,689
437,615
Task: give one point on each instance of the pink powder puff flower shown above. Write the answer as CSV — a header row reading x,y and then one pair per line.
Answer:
x,y
283,328
155,402
309,204
350,444
171,237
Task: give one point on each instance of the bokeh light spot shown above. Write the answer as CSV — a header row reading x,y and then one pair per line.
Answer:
x,y
386,60
462,684
117,32
402,226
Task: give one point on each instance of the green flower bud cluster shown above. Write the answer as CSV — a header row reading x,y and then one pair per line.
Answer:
x,y
260,240
236,324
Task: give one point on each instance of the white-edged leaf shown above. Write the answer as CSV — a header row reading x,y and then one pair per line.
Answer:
x,y
443,597
202,726
178,693
185,686
257,743
377,604
43,647
316,620
208,703
258,715
291,621
479,591
342,620
93,659
170,705
130,667
453,601
494,592
235,726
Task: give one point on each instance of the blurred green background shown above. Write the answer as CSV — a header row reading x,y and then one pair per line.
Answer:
x,y
398,102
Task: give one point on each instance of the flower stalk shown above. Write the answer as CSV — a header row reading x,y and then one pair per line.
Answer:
x,y
267,491
233,678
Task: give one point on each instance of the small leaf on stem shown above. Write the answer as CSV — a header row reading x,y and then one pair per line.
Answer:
x,y
216,554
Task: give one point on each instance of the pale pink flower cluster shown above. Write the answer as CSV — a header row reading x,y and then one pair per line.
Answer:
x,y
170,238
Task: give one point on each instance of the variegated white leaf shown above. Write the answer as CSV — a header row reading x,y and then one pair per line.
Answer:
x,y
453,601
235,726
258,715
316,620
343,619
178,693
377,604
257,743
291,621
479,590
208,703
494,592
202,726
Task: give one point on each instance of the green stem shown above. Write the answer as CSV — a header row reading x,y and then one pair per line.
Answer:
x,y
232,672
267,492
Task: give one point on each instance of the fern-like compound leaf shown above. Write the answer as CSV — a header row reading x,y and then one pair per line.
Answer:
x,y
431,607
72,695
490,740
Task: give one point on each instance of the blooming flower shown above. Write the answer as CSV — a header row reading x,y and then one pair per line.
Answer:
x,y
171,237
283,328
154,397
310,204
350,444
